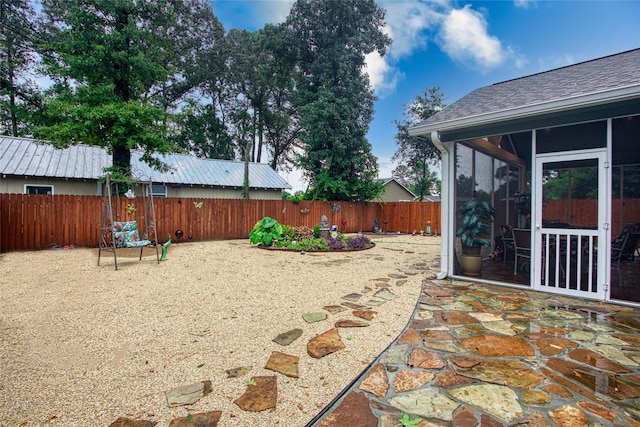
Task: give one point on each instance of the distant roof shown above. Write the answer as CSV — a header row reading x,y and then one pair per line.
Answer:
x,y
29,157
590,83
386,181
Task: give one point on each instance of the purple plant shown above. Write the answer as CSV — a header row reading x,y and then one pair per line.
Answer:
x,y
335,243
359,242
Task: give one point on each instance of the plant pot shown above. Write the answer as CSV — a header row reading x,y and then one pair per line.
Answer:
x,y
474,250
471,265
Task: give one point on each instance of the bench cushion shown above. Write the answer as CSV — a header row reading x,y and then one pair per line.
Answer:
x,y
126,235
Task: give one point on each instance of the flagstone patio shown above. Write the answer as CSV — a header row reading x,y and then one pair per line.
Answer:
x,y
486,355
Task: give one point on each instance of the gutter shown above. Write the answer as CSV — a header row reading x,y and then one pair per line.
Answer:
x,y
445,206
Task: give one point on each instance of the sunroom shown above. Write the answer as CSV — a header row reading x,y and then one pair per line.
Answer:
x,y
557,157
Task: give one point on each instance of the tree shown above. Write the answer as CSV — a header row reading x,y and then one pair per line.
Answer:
x,y
281,118
416,153
335,99
202,133
19,95
118,66
416,180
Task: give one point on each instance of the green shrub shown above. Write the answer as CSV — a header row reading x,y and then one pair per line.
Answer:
x,y
266,231
316,231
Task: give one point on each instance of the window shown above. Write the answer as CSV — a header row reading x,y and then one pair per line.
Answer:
x,y
159,190
38,189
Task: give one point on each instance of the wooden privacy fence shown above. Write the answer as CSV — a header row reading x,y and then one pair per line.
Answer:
x,y
584,212
31,222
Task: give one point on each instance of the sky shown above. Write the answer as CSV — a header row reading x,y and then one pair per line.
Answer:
x,y
460,46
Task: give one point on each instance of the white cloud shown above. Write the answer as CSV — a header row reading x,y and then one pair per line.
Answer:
x,y
524,4
274,11
383,77
296,179
464,37
407,24
385,167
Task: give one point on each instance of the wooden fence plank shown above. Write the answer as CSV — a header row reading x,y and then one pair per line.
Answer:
x,y
32,222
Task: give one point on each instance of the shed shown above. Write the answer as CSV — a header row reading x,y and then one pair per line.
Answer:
x,y
29,166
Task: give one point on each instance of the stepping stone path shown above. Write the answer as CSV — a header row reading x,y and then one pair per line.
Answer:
x,y
126,422
334,308
352,297
365,314
288,337
314,317
261,392
350,323
284,364
202,419
238,372
188,394
325,343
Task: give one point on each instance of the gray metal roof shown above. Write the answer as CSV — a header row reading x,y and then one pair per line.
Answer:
x,y
598,80
29,157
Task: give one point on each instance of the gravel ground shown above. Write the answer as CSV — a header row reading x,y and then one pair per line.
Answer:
x,y
82,344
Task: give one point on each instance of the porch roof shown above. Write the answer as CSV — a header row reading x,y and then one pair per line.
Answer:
x,y
590,90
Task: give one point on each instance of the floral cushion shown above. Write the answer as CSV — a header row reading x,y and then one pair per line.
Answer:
x,y
125,226
126,235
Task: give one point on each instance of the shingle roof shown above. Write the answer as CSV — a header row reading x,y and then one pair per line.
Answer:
x,y
28,157
590,77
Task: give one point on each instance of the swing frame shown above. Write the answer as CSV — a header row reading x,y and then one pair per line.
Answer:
x,y
118,233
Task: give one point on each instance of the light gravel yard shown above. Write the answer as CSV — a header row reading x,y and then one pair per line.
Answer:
x,y
82,344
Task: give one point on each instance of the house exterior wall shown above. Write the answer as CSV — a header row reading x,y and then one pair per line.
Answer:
x,y
394,192
78,187
221,193
75,187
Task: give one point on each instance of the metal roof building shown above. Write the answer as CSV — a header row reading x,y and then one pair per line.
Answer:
x,y
29,158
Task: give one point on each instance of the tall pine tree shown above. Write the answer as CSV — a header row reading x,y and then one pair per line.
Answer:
x,y
335,98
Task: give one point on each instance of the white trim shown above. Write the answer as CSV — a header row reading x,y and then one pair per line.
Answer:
x,y
446,223
39,186
602,291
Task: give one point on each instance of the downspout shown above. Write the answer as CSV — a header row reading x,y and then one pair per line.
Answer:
x,y
445,206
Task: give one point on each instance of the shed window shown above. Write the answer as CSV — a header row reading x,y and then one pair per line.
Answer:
x,y
38,189
159,190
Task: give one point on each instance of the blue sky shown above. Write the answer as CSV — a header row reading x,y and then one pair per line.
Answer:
x,y
460,46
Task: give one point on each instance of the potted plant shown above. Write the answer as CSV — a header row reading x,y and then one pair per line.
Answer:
x,y
475,220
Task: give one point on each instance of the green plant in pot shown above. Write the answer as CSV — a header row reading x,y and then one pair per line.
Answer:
x,y
475,221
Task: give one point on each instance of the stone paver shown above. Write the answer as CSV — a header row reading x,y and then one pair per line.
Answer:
x,y
481,355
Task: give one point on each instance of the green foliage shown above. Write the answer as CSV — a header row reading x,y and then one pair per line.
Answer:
x,y
265,232
250,382
335,98
202,132
315,244
476,218
297,233
20,99
406,421
316,230
416,154
119,68
295,198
